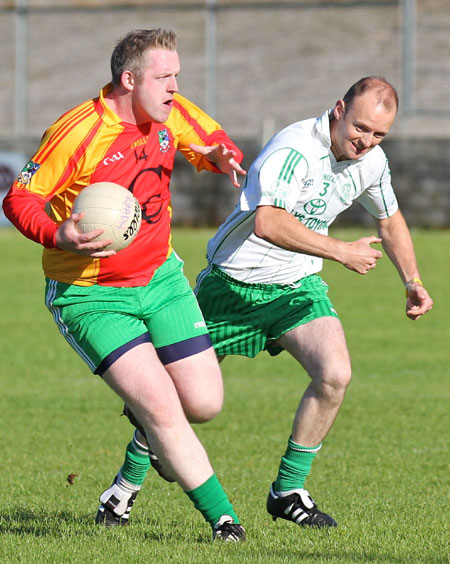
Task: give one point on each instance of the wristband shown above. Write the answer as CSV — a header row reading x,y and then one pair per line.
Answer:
x,y
412,281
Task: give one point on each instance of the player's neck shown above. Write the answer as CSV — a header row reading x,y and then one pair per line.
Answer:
x,y
119,101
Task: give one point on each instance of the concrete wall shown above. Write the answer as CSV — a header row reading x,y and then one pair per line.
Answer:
x,y
420,171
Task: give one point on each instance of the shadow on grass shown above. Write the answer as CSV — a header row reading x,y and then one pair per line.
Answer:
x,y
39,523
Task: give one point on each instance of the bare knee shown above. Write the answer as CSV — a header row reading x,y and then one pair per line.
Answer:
x,y
199,384
333,382
202,410
202,401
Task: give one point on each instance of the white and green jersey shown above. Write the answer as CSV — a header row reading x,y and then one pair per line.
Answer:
x,y
297,171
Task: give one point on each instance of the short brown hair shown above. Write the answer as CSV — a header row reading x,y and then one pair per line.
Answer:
x,y
129,51
386,93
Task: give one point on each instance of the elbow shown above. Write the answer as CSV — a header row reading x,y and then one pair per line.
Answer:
x,y
6,206
264,231
260,228
266,223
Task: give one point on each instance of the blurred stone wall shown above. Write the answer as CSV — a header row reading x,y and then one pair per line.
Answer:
x,y
277,62
420,168
420,175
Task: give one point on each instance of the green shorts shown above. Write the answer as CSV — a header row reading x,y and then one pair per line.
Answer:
x,y
102,322
245,319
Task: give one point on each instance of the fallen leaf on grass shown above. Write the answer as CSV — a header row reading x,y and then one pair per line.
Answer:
x,y
71,478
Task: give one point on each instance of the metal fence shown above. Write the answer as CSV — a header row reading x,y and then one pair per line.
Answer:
x,y
255,66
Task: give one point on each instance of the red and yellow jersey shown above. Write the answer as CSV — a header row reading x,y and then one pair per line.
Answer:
x,y
88,144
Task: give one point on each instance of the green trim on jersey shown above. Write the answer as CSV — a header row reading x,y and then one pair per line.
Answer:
x,y
279,203
288,168
353,182
381,189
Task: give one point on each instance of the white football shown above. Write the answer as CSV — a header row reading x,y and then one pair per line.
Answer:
x,y
111,207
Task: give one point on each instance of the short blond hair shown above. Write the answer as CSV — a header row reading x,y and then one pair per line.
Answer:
x,y
129,51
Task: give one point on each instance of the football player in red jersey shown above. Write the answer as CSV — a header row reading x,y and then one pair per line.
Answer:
x,y
132,316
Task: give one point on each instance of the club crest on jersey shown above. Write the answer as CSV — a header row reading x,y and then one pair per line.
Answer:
x,y
279,189
345,194
27,172
164,141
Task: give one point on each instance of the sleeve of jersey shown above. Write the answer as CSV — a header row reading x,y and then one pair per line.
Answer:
x,y
189,124
53,168
279,182
26,211
379,199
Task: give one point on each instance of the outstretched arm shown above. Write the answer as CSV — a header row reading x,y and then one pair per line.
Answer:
x,y
397,243
222,158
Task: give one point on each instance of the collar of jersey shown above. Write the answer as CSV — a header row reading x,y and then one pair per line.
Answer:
x,y
322,128
109,116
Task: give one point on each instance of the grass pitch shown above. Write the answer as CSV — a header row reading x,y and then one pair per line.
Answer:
x,y
382,472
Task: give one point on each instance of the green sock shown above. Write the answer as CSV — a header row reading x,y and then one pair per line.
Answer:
x,y
136,463
295,466
212,501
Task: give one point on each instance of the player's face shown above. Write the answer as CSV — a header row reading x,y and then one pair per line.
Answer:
x,y
152,98
357,129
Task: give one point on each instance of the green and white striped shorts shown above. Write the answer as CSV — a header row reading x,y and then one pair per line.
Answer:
x,y
246,319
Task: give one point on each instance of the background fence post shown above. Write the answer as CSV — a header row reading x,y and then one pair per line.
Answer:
x,y
20,75
409,22
211,58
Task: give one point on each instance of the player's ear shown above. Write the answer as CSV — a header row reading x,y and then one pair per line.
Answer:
x,y
128,80
339,109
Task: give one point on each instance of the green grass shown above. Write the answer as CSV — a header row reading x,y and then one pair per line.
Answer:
x,y
382,473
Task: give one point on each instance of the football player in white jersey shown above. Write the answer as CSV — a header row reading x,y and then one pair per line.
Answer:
x,y
264,263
